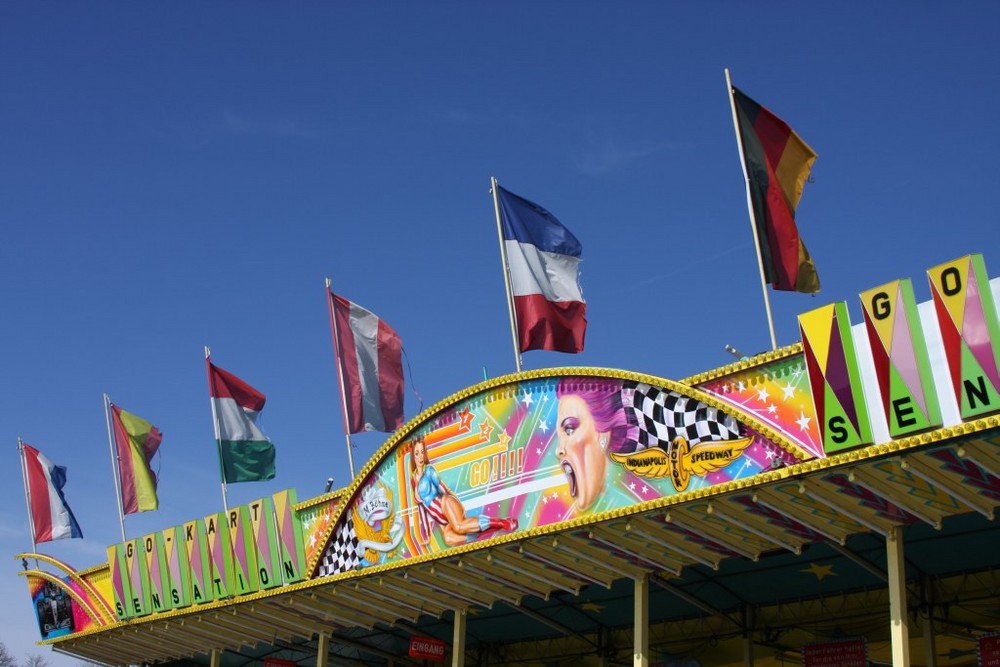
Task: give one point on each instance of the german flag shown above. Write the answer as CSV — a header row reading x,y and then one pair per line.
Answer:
x,y
777,166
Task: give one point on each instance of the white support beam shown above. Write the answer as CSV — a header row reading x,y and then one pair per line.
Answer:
x,y
458,639
640,651
323,650
898,630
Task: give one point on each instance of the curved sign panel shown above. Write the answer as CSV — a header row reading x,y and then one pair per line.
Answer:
x,y
538,449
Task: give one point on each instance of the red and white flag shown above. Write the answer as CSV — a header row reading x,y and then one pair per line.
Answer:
x,y
370,354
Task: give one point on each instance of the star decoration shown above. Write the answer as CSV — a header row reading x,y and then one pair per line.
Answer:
x,y
631,486
771,409
538,451
789,391
645,489
740,386
803,421
504,439
527,400
543,427
485,431
466,417
762,395
820,571
769,454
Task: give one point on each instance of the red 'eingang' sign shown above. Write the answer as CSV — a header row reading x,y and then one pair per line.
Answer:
x,y
427,648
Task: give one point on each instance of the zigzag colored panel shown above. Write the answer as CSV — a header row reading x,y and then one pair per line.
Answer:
x,y
178,567
159,579
138,578
265,540
293,555
119,581
196,549
902,365
831,360
220,553
967,319
245,579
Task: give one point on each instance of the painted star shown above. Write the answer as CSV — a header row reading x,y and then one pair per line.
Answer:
x,y
762,395
770,454
527,400
789,391
466,417
485,431
538,451
803,421
543,427
645,489
820,571
504,439
771,409
631,486
740,386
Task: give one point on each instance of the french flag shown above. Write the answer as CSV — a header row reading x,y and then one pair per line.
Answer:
x,y
51,517
371,366
543,258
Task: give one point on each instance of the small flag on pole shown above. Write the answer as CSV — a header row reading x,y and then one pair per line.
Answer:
x,y
51,517
247,454
136,442
370,354
543,259
777,164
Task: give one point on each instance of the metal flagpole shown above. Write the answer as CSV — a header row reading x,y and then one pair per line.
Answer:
x,y
27,493
506,274
340,376
218,434
116,466
753,217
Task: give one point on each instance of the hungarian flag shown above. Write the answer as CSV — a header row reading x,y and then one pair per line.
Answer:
x,y
51,517
543,258
777,166
136,442
370,354
247,455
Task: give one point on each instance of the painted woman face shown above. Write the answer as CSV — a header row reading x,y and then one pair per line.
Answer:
x,y
419,455
579,450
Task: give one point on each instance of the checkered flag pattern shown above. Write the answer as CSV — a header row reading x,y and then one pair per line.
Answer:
x,y
663,415
341,552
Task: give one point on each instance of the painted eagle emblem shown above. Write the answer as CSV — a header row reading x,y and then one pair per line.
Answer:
x,y
680,460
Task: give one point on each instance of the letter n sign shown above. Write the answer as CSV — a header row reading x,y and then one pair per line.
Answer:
x,y
967,319
834,379
899,353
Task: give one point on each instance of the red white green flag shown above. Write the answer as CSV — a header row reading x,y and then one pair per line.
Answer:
x,y
247,454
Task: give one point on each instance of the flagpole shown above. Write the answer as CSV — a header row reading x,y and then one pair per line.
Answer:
x,y
340,376
506,274
215,422
27,493
115,466
753,216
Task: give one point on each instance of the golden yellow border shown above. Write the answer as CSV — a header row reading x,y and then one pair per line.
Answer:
x,y
347,494
103,611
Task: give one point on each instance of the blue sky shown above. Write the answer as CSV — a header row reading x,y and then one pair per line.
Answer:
x,y
177,175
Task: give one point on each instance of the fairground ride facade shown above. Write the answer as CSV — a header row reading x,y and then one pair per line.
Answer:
x,y
827,503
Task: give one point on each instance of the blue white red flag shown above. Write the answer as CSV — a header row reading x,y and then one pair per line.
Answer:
x,y
543,258
51,517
